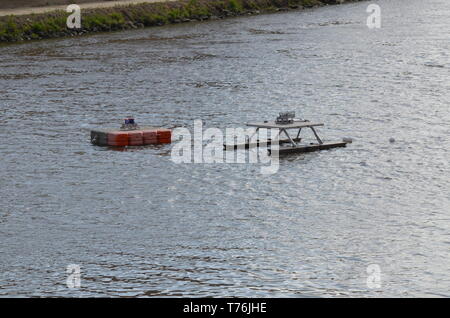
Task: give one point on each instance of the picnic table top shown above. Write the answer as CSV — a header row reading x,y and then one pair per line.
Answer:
x,y
296,124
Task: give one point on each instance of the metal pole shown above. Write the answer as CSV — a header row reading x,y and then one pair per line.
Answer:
x,y
289,137
317,136
250,137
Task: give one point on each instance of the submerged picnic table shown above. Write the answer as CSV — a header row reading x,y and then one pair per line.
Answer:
x,y
296,124
289,145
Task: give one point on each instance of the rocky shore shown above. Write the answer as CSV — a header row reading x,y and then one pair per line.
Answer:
x,y
53,24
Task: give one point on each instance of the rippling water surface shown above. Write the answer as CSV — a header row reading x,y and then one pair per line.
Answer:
x,y
140,225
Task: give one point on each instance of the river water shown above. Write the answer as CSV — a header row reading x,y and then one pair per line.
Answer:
x,y
138,224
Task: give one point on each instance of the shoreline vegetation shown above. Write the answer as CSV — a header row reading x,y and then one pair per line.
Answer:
x,y
19,28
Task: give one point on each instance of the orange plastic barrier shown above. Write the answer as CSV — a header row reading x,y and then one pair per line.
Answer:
x,y
118,138
135,138
150,137
122,138
164,136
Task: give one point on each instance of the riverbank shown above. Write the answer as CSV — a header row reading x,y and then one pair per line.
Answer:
x,y
38,8
46,25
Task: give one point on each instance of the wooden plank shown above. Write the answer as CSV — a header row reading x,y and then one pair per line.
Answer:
x,y
107,130
309,148
256,144
296,124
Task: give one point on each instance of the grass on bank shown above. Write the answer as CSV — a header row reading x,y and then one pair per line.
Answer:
x,y
53,24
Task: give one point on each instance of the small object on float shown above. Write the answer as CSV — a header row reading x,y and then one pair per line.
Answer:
x,y
285,118
129,124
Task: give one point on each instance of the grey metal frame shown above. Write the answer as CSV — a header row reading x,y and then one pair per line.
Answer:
x,y
285,130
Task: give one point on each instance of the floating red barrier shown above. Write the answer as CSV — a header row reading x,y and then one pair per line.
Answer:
x,y
117,138
164,136
140,137
150,137
135,138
